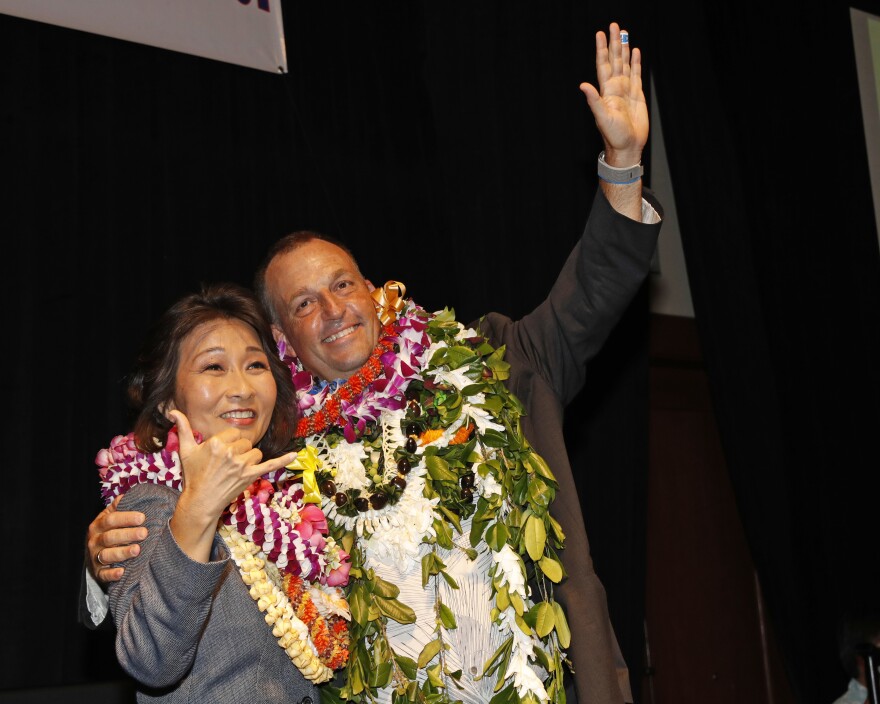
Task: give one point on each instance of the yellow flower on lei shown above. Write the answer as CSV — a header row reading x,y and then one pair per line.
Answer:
x,y
308,462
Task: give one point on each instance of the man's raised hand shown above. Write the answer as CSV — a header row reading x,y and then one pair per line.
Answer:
x,y
618,105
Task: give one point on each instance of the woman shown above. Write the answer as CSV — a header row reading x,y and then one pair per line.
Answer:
x,y
188,627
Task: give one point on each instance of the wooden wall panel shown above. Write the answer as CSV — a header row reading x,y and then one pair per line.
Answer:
x,y
703,621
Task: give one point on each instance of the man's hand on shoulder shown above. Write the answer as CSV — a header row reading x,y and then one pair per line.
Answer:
x,y
113,537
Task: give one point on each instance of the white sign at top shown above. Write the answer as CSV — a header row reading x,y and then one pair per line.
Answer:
x,y
245,32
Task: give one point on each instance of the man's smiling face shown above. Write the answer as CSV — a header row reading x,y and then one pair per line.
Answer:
x,y
324,308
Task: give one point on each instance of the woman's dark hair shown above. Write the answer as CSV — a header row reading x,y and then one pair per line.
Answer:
x,y
153,382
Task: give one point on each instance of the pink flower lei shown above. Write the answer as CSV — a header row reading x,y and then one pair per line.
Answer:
x,y
271,512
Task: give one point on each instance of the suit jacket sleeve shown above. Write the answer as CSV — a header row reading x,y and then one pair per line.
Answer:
x,y
162,603
594,288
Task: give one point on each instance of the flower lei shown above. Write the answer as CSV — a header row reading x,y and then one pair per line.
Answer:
x,y
280,545
432,441
354,386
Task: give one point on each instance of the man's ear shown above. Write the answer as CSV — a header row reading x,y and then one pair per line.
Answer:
x,y
370,286
282,342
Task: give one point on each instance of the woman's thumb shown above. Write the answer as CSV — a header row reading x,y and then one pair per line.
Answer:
x,y
184,432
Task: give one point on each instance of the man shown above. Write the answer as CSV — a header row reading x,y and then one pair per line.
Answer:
x,y
323,313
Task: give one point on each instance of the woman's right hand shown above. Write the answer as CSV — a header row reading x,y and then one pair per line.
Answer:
x,y
215,472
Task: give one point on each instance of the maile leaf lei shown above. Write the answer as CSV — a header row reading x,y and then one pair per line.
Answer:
x,y
445,442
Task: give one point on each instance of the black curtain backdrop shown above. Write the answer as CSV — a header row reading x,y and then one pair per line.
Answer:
x,y
763,130
450,147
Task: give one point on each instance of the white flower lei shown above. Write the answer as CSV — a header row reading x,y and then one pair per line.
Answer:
x,y
291,632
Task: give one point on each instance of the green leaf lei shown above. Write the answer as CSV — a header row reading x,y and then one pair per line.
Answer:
x,y
494,478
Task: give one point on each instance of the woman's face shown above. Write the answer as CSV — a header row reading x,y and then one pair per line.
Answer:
x,y
224,380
